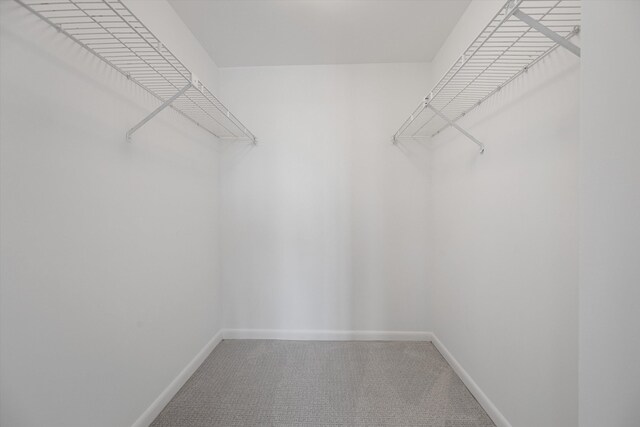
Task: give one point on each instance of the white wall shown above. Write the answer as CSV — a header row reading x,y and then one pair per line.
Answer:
x,y
109,274
610,216
504,287
325,221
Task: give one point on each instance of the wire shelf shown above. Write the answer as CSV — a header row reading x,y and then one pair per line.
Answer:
x,y
506,48
109,30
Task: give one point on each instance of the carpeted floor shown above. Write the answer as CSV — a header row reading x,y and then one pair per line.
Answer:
x,y
324,383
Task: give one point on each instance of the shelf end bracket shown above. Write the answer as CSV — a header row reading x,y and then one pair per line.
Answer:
x,y
538,26
164,105
455,125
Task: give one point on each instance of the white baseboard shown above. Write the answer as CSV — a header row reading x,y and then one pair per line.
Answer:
x,y
480,396
324,335
167,394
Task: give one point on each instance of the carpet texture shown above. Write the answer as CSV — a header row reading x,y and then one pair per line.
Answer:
x,y
323,383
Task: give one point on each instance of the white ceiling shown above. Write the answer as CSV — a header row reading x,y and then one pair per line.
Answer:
x,y
303,32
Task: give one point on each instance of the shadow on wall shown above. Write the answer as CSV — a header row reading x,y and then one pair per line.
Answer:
x,y
235,152
506,99
420,151
66,55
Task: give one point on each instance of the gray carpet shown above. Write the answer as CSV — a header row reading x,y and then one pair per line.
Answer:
x,y
323,383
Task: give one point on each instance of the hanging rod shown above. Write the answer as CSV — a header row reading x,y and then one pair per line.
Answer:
x,y
110,31
519,35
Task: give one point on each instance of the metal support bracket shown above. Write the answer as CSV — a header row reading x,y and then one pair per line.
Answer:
x,y
455,125
164,105
537,25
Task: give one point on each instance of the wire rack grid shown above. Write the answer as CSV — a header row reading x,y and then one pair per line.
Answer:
x,y
506,48
109,30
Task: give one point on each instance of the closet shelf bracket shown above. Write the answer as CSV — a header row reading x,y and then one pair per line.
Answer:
x,y
557,38
454,125
164,105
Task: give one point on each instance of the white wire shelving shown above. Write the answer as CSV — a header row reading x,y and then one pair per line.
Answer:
x,y
109,30
521,34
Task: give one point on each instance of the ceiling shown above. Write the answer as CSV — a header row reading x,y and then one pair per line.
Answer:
x,y
305,32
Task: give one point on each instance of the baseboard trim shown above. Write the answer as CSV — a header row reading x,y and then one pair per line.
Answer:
x,y
167,394
325,335
473,387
